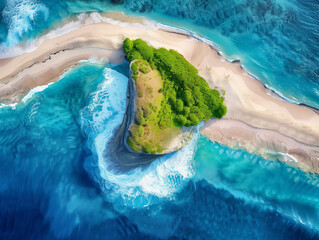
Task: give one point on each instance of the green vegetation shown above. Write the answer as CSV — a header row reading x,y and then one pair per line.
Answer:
x,y
170,94
146,133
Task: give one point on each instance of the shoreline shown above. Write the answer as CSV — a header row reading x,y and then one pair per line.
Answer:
x,y
248,100
116,18
214,46
266,143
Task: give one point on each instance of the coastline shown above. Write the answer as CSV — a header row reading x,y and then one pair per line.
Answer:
x,y
248,100
263,142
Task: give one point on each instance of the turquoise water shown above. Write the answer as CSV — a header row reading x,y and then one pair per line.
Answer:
x,y
275,40
57,181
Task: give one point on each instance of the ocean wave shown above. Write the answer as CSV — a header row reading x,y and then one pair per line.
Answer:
x,y
31,94
15,49
12,106
20,16
33,91
246,176
287,157
279,94
140,186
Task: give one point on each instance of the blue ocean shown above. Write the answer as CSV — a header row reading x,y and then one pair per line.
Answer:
x,y
57,181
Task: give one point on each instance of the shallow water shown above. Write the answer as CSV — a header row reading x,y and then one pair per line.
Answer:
x,y
276,40
55,183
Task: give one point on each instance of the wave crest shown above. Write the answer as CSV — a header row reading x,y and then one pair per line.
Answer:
x,y
140,186
20,16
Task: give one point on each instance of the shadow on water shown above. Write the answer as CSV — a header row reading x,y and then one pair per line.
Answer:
x,y
48,151
117,150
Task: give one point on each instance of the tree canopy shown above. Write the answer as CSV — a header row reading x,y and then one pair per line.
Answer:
x,y
188,98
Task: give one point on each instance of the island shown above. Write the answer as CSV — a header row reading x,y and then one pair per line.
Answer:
x,y
257,120
170,98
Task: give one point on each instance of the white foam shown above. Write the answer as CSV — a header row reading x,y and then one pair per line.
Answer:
x,y
288,158
41,88
13,105
147,24
82,20
34,91
13,51
139,187
19,14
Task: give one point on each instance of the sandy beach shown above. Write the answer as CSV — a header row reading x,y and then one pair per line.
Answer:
x,y
257,120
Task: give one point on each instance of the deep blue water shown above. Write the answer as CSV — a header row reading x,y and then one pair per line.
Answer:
x,y
57,182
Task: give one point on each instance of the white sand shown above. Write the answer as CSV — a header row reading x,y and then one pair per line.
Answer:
x,y
257,120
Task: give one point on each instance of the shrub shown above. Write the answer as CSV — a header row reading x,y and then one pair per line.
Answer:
x,y
144,69
140,131
181,120
134,55
144,49
147,148
179,105
140,93
132,144
137,131
134,77
139,117
147,110
160,149
149,90
127,45
134,68
194,119
186,111
188,98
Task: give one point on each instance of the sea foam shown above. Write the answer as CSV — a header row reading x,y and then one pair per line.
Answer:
x,y
141,186
33,91
20,15
14,49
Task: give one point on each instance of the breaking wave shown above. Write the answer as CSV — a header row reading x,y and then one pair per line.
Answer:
x,y
142,185
20,16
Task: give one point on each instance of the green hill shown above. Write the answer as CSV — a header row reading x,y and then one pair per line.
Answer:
x,y
170,94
